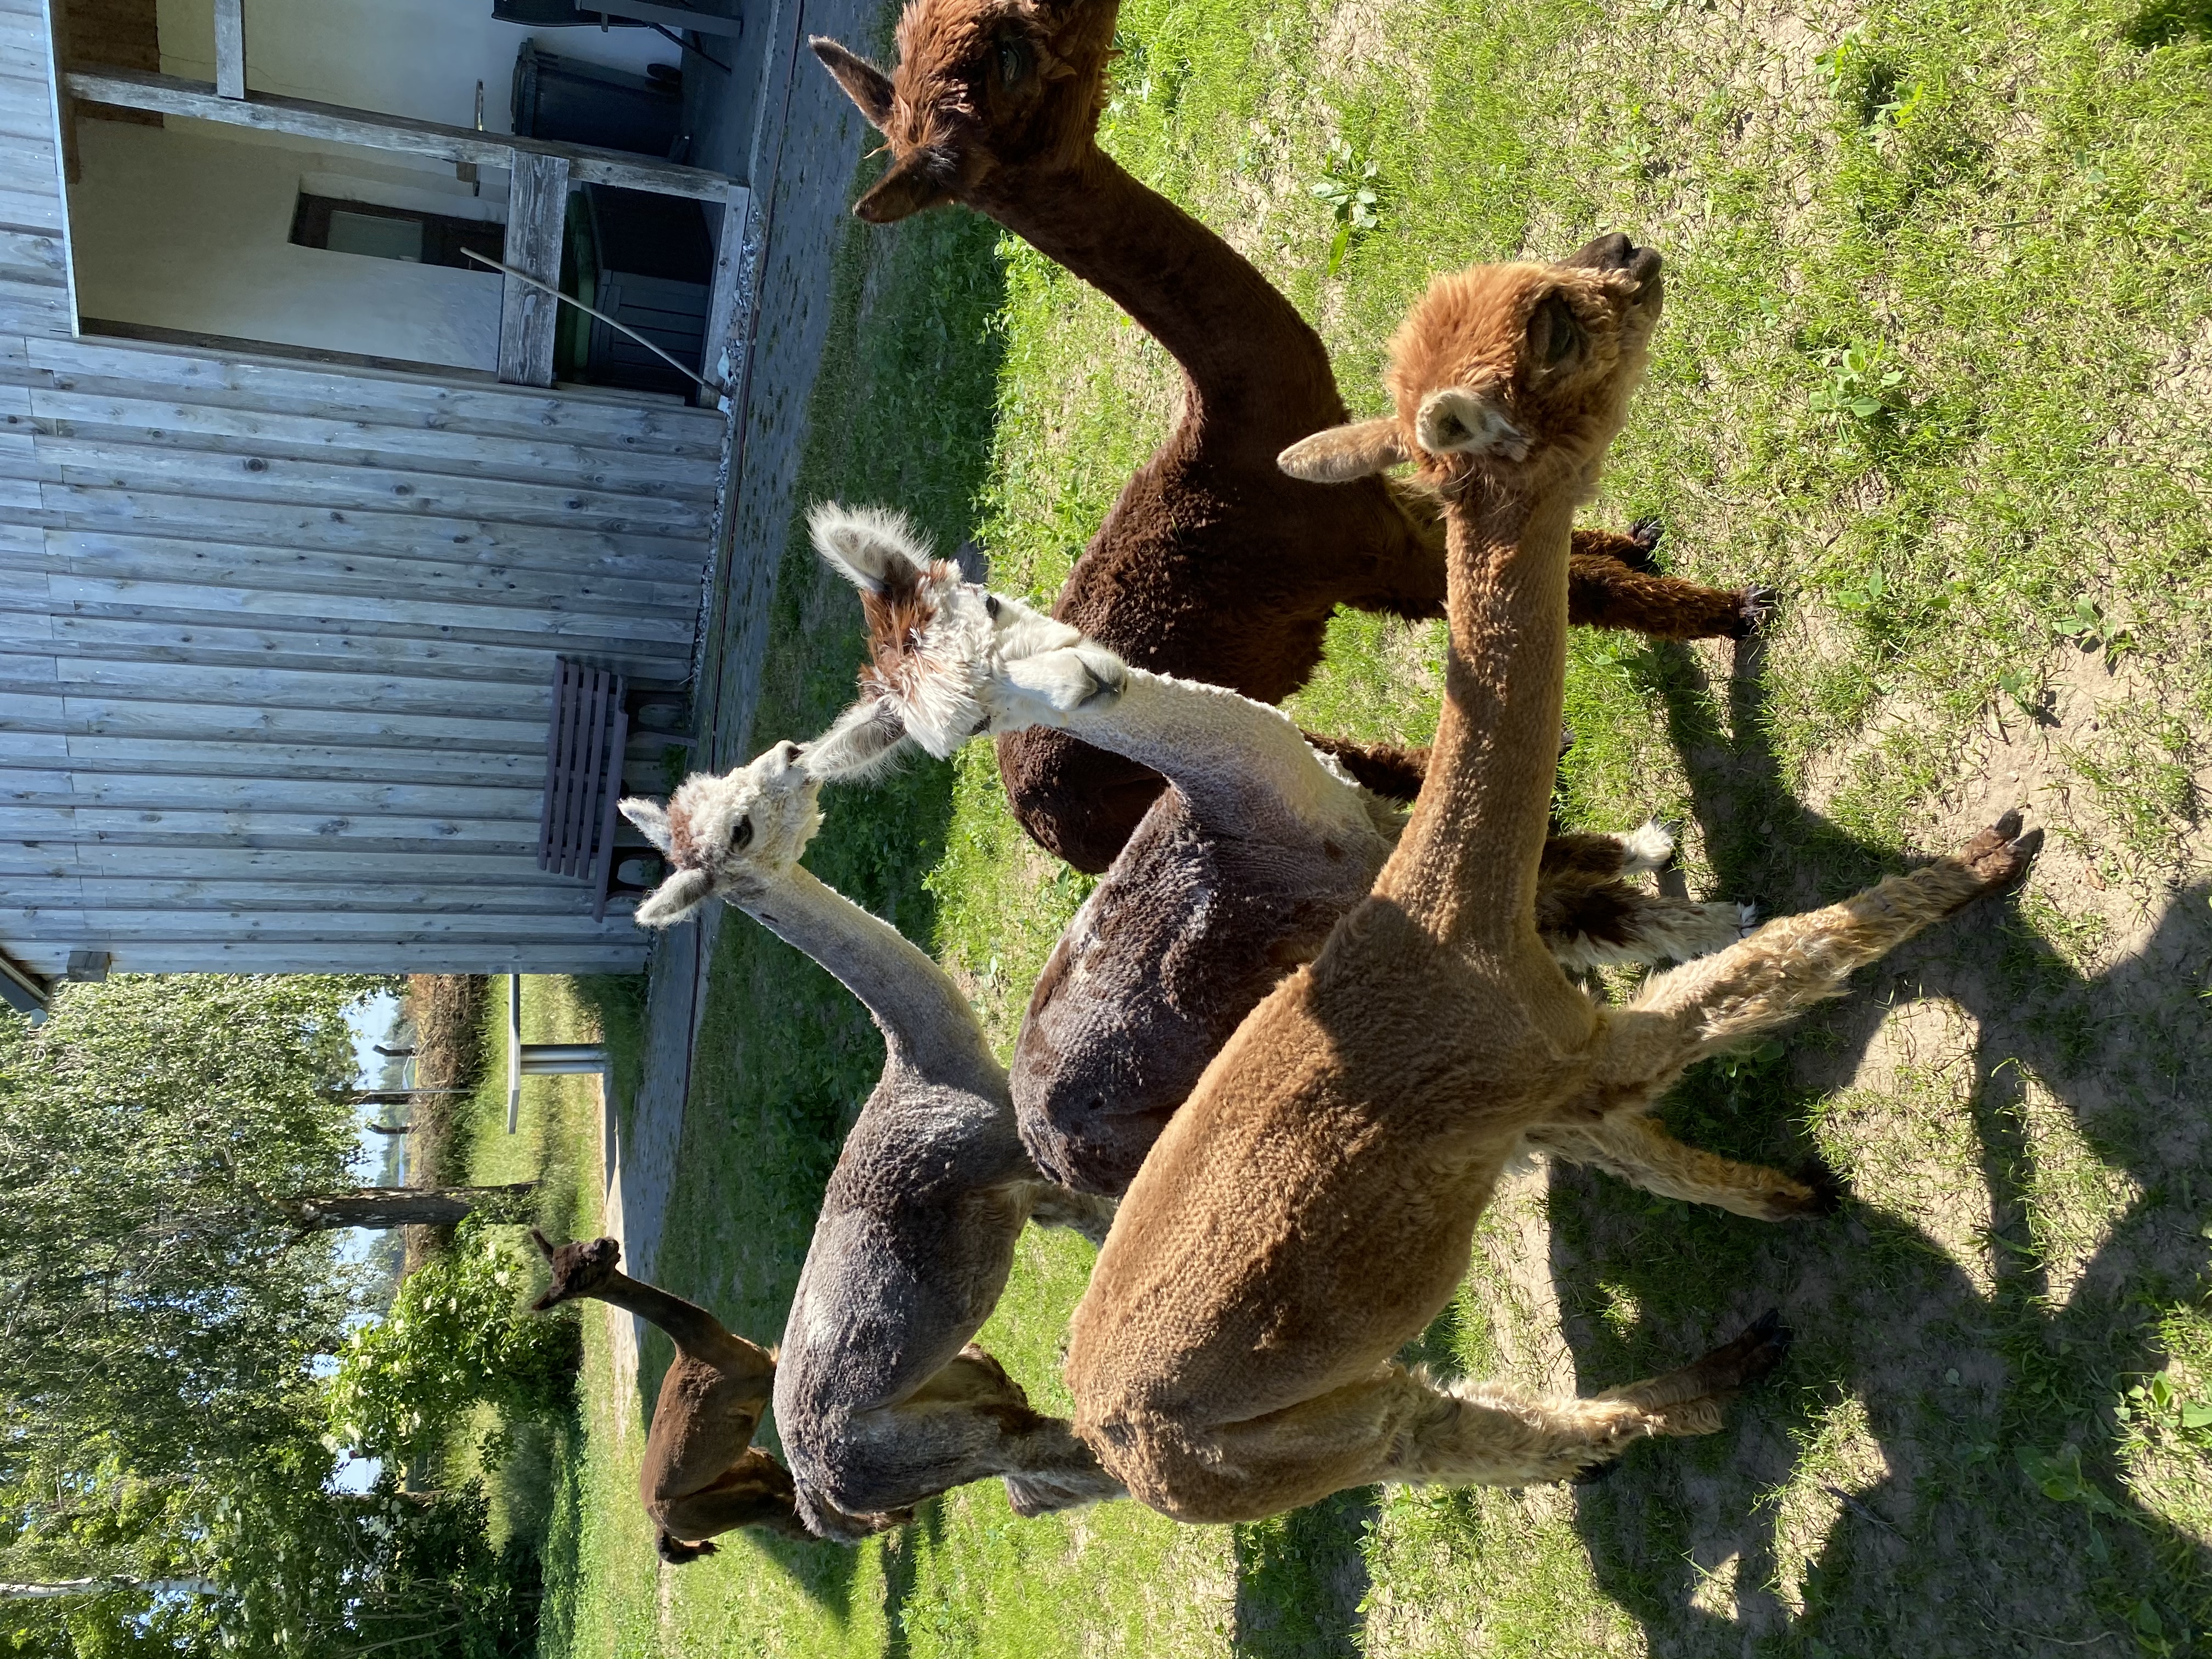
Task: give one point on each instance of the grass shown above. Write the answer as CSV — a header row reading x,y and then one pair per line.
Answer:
x,y
1937,366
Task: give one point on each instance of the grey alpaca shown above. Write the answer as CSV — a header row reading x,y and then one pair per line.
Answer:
x,y
881,1398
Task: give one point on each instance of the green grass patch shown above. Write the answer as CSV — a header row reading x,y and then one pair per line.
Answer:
x,y
1935,367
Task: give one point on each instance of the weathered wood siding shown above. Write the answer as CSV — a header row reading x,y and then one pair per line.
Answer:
x,y
277,639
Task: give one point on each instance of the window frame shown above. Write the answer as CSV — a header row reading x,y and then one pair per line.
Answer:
x,y
444,235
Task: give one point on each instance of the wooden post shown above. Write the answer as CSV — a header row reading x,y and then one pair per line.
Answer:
x,y
722,296
536,210
230,48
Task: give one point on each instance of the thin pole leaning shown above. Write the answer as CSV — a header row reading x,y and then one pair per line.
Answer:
x,y
715,387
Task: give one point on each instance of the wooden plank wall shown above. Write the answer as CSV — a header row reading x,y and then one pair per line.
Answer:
x,y
277,639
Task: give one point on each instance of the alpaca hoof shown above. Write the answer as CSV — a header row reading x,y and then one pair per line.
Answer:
x,y
1763,1346
1999,855
1825,1193
1754,610
1644,534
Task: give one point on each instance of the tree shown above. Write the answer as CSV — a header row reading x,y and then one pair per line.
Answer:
x,y
158,1314
455,1336
163,1323
407,1207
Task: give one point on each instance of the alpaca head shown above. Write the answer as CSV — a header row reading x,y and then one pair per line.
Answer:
x,y
579,1268
729,836
947,659
980,84
1516,375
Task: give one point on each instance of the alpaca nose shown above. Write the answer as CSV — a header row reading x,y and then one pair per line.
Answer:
x,y
1614,251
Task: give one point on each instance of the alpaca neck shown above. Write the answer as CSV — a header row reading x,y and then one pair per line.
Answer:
x,y
1467,865
1240,764
689,1326
921,1013
1247,356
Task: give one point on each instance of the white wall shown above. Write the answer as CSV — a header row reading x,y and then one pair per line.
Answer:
x,y
415,57
180,229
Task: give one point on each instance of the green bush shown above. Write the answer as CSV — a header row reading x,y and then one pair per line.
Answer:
x,y
456,1336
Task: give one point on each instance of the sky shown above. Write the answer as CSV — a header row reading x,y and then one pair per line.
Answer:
x,y
373,1020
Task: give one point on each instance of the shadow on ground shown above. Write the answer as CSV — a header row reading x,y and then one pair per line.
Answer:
x,y
1931,1529
1300,1579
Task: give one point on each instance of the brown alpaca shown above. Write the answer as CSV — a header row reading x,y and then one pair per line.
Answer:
x,y
1212,565
1311,1207
701,1475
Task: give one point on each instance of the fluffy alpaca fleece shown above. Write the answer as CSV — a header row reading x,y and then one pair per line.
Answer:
x,y
1311,1207
1212,565
1236,876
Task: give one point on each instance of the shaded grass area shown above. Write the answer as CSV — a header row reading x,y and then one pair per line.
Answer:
x,y
1937,366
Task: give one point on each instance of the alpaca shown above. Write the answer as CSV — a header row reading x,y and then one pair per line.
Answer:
x,y
1311,1207
702,1476
1236,875
1210,565
881,1399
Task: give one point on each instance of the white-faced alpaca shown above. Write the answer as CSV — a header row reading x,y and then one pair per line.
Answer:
x,y
1311,1207
702,1476
881,1399
1234,877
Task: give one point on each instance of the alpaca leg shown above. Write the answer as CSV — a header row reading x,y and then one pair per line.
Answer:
x,y
756,1490
1588,925
1633,1147
1633,549
1087,1214
1397,1424
1603,591
1787,966
969,1422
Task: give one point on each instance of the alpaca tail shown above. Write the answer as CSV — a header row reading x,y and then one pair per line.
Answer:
x,y
675,1552
1393,773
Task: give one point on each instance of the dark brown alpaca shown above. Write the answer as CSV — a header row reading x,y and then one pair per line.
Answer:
x,y
1212,565
701,1473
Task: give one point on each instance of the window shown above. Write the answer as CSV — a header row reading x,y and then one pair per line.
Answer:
x,y
390,232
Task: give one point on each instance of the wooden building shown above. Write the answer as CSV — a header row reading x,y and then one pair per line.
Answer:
x,y
280,622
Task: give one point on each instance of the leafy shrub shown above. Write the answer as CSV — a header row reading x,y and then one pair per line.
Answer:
x,y
455,1336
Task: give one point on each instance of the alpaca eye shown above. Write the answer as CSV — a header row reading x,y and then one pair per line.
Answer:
x,y
1014,59
991,606
742,836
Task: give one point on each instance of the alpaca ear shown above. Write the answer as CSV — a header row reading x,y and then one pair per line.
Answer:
x,y
864,84
1458,420
875,550
1344,453
651,818
544,1245
905,188
861,742
675,899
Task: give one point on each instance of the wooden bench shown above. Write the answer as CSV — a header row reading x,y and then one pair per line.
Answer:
x,y
584,776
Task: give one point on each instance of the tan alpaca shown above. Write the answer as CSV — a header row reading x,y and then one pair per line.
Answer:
x,y
1311,1207
701,1475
